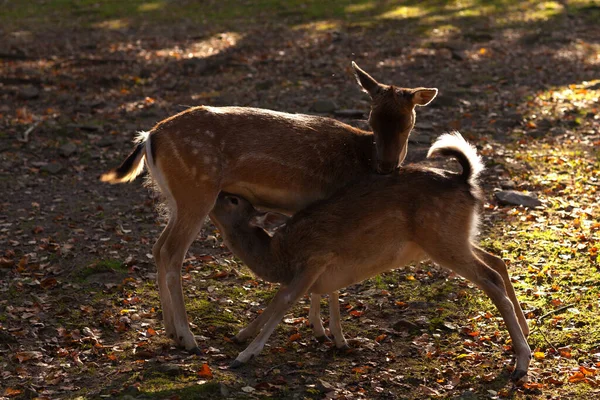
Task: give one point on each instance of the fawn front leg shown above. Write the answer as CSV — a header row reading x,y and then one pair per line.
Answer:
x,y
277,309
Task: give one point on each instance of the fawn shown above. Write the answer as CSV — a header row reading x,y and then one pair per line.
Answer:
x,y
373,225
276,160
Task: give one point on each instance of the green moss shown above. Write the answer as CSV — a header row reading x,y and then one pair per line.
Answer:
x,y
182,387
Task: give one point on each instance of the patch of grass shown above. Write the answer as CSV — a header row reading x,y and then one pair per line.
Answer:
x,y
210,312
101,266
310,15
182,387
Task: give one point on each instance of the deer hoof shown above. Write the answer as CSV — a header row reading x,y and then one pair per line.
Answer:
x,y
517,375
195,350
237,340
236,364
343,346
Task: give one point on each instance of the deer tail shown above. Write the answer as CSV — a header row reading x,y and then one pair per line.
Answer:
x,y
454,145
133,164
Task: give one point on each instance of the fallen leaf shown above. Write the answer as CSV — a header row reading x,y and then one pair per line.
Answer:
x,y
205,372
294,337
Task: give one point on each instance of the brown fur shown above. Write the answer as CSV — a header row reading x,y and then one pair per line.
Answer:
x,y
276,160
373,225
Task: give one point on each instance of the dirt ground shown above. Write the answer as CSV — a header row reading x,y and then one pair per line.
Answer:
x,y
79,310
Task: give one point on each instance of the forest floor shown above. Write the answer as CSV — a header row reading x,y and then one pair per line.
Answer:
x,y
80,315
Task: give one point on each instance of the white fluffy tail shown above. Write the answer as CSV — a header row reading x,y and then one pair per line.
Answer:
x,y
454,145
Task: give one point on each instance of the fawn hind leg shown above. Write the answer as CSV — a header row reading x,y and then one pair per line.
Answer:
x,y
499,266
335,323
314,317
463,261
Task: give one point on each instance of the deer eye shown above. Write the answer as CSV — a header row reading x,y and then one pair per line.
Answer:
x,y
234,200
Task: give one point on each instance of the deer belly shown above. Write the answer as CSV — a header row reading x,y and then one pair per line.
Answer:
x,y
286,201
349,271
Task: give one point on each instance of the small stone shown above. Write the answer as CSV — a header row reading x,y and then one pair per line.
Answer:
x,y
324,106
324,387
224,390
508,185
404,325
194,65
595,86
28,93
349,113
106,141
445,100
52,168
264,85
512,197
67,149
424,125
169,369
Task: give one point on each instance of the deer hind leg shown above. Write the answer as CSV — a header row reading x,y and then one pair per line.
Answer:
x,y
464,262
500,267
185,222
314,317
285,298
335,323
163,290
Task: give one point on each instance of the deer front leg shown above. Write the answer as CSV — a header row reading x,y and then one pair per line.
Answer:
x,y
257,323
335,322
277,309
314,317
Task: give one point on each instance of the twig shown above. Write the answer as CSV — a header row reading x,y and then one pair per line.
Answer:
x,y
546,339
26,134
556,311
267,372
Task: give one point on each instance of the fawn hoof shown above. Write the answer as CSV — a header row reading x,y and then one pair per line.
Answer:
x,y
236,364
195,350
517,375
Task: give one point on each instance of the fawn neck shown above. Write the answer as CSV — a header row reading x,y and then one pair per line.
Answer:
x,y
253,246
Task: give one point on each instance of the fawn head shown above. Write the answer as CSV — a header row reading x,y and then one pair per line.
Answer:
x,y
392,117
236,213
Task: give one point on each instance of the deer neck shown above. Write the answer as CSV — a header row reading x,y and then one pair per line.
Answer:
x,y
366,152
253,246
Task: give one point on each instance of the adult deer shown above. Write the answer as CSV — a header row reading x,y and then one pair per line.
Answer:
x,y
370,226
276,160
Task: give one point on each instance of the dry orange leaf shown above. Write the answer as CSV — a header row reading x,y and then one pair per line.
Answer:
x,y
380,337
360,370
532,385
356,313
10,392
577,377
401,304
151,332
587,371
295,337
205,372
538,355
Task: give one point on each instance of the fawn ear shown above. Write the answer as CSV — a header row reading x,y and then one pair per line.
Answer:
x,y
366,81
268,220
423,96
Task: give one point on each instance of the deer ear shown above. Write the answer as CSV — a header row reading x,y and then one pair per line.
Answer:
x,y
423,96
366,81
268,220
